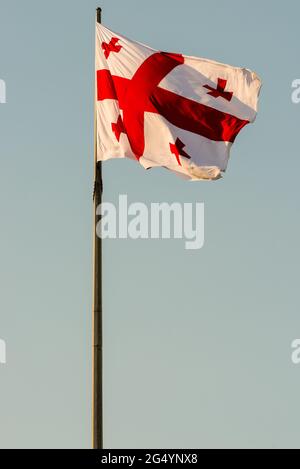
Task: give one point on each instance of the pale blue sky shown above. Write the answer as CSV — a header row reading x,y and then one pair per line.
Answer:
x,y
197,344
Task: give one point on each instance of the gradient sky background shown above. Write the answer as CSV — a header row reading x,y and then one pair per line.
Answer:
x,y
197,343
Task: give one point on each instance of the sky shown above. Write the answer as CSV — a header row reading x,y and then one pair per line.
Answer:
x,y
197,344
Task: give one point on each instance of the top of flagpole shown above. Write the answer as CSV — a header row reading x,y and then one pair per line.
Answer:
x,y
98,14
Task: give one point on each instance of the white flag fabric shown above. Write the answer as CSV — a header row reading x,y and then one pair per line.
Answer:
x,y
164,109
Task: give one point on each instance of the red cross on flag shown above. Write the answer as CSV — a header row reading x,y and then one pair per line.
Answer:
x,y
170,110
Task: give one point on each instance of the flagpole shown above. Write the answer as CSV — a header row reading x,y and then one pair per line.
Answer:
x,y
97,367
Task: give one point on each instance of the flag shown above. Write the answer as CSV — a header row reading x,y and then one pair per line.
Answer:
x,y
167,109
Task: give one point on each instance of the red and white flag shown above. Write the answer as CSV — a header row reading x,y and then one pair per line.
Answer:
x,y
170,110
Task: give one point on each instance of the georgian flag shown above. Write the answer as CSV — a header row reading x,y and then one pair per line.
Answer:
x,y
170,110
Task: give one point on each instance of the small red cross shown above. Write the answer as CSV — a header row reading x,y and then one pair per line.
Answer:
x,y
118,128
220,90
112,46
177,149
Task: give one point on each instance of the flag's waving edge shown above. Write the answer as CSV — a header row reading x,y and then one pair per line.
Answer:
x,y
170,110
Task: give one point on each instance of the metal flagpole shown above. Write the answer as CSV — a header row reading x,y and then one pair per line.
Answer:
x,y
97,298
